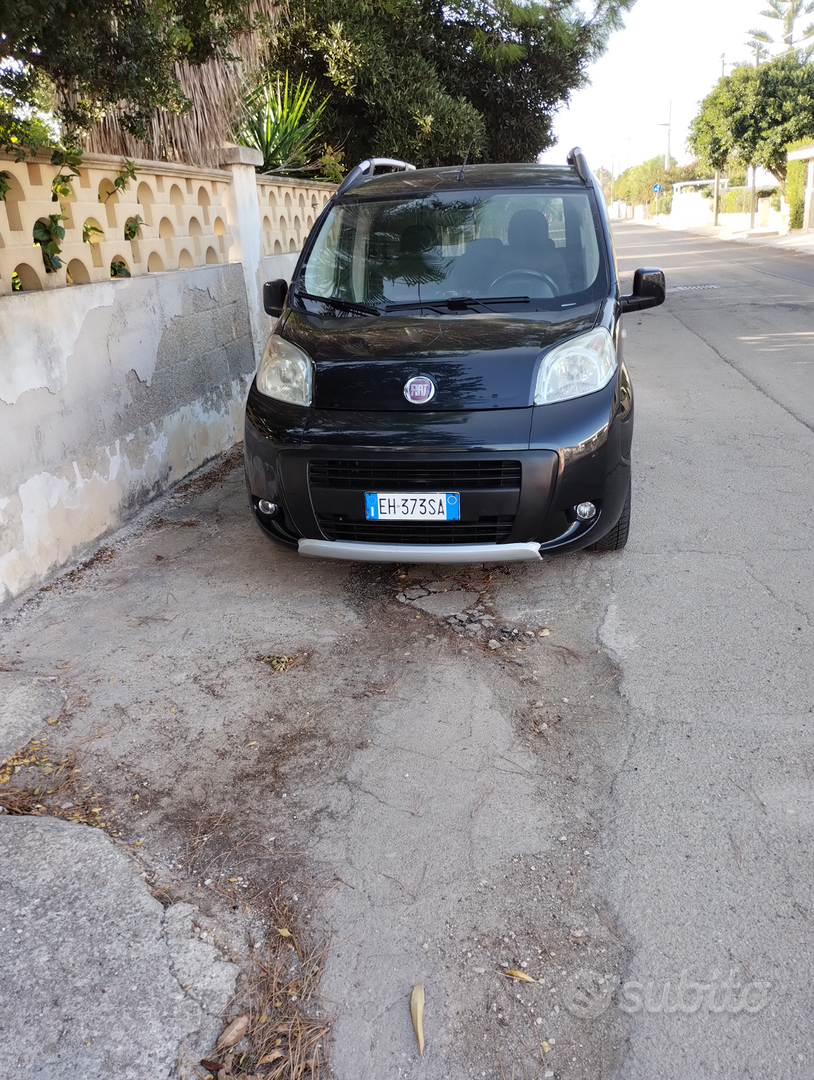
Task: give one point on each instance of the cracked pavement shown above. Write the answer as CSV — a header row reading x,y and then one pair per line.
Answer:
x,y
596,770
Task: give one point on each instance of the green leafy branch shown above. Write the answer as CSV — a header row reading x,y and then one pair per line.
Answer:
x,y
62,184
90,232
48,236
132,227
122,179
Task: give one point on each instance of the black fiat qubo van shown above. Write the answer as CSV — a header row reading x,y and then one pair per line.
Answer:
x,y
446,382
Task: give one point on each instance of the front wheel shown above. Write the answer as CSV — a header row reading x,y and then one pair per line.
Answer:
x,y
616,539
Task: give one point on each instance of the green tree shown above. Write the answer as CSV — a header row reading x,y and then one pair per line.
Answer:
x,y
751,116
517,64
103,55
427,80
787,13
605,178
635,185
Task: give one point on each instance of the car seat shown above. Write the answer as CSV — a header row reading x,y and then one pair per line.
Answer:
x,y
531,249
474,270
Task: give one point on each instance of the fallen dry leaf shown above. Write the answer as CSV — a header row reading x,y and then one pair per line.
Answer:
x,y
512,974
233,1032
417,1013
283,932
213,1066
545,1046
275,1055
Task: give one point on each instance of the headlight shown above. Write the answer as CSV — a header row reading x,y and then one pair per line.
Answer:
x,y
577,367
285,372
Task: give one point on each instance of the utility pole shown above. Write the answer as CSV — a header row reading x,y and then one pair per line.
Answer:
x,y
668,125
723,64
753,200
717,196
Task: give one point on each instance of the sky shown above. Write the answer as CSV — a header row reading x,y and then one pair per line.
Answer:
x,y
660,66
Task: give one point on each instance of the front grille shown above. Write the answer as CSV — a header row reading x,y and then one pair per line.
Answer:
x,y
491,490
459,475
484,531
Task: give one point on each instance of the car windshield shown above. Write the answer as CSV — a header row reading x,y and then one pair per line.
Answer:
x,y
537,249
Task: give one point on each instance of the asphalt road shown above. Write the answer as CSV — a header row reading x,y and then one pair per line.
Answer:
x,y
615,799
708,863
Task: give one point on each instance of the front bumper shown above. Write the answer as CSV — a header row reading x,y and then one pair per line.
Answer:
x,y
419,553
520,473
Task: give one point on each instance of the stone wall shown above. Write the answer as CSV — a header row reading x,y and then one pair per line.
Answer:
x,y
113,388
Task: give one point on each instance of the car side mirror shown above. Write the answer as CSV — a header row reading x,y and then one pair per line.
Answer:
x,y
274,294
649,289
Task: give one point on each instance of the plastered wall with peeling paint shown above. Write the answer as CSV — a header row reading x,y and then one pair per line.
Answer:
x,y
109,393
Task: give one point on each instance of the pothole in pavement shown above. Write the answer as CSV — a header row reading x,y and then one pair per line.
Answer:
x,y
460,602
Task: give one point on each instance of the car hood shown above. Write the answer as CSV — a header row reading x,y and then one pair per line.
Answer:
x,y
477,361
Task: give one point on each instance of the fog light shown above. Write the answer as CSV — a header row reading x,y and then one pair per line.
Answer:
x,y
266,507
585,511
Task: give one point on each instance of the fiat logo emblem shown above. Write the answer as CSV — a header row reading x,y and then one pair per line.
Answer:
x,y
419,390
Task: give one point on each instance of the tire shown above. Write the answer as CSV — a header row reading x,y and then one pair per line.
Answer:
x,y
617,537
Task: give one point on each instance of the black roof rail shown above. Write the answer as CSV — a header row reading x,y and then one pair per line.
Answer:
x,y
577,158
368,167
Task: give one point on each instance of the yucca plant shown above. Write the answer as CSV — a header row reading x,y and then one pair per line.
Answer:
x,y
277,121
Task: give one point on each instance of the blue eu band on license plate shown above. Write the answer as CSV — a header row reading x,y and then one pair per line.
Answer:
x,y
390,506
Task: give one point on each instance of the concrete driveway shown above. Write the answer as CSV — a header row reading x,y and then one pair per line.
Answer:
x,y
596,771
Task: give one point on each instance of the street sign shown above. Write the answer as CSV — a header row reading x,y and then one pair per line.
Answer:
x,y
657,188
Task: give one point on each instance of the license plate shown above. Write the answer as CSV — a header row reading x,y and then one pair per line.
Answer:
x,y
438,506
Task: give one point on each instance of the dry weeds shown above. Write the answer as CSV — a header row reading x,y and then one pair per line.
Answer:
x,y
212,474
104,554
286,1037
38,785
159,523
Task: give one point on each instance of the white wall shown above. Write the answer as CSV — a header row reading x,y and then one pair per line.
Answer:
x,y
109,393
690,208
112,391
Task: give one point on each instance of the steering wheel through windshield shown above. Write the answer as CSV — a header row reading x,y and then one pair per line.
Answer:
x,y
523,275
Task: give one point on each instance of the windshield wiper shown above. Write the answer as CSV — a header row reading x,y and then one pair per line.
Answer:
x,y
468,301
341,305
457,303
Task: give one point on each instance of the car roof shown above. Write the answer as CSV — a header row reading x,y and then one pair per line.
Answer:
x,y
474,176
